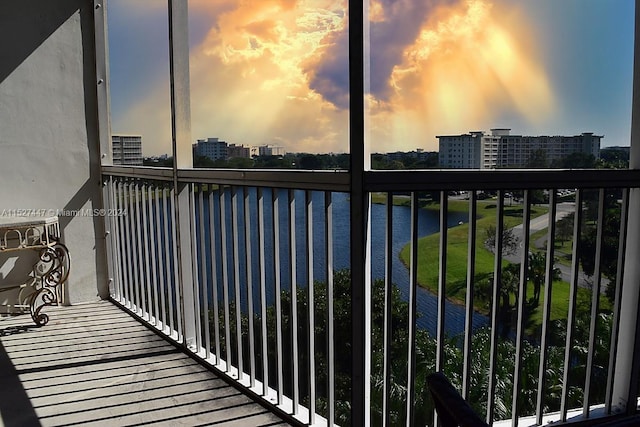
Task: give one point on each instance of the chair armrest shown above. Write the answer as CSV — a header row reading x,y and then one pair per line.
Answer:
x,y
452,409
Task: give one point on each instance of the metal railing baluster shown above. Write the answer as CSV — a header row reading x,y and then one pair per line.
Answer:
x,y
546,309
442,280
116,197
571,316
522,294
275,225
215,268
469,307
310,304
413,287
249,278
495,298
388,312
294,302
203,289
595,303
622,244
145,235
128,241
236,279
139,245
153,294
225,280
158,259
263,295
328,239
155,233
174,302
167,198
195,285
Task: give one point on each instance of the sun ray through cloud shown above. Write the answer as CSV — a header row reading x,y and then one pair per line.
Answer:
x,y
276,71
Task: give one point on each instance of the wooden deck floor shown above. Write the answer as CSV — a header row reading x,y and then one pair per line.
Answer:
x,y
95,365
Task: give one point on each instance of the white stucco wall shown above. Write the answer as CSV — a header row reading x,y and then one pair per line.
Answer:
x,y
49,149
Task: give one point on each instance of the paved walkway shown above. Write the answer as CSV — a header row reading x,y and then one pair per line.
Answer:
x,y
538,224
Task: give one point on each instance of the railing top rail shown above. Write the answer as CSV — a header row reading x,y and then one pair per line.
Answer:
x,y
509,179
140,172
323,180
395,180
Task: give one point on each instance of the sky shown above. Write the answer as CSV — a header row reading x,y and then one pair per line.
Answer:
x,y
276,71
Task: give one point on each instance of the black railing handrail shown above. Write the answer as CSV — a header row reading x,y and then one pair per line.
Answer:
x,y
394,180
505,179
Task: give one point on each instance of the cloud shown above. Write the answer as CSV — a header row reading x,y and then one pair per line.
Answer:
x,y
276,71
393,26
397,28
248,77
466,68
328,72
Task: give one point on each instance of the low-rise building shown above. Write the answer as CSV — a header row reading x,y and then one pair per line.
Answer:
x,y
267,150
211,148
234,150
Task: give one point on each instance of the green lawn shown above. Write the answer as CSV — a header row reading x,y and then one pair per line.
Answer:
x,y
560,304
457,247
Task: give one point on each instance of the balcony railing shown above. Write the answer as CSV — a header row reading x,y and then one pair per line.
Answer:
x,y
508,285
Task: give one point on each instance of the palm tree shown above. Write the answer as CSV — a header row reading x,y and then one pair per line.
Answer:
x,y
537,271
509,281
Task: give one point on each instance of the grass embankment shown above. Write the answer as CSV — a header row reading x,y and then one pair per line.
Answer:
x,y
457,249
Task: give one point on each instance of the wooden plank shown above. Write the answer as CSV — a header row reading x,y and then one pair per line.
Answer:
x,y
81,369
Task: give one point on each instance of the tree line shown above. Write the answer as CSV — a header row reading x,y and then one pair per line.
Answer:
x,y
610,158
426,347
308,161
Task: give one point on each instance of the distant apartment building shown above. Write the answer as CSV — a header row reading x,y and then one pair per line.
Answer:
x,y
500,149
236,151
277,150
127,150
267,150
212,148
460,151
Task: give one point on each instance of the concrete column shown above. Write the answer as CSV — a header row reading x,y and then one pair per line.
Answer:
x,y
102,81
182,158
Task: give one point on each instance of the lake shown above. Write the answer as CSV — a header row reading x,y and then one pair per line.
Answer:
x,y
427,224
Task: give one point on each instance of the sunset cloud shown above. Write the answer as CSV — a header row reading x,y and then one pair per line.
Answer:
x,y
466,67
276,71
464,63
249,81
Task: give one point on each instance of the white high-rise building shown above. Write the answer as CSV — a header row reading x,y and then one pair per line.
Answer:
x,y
127,150
461,151
500,149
